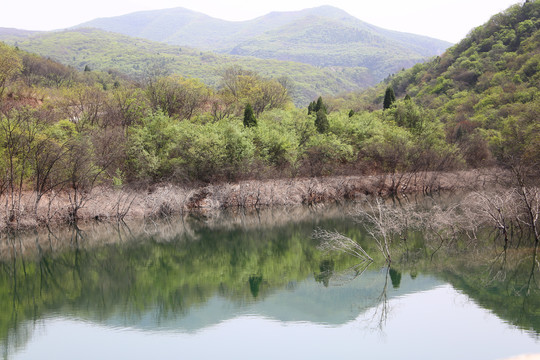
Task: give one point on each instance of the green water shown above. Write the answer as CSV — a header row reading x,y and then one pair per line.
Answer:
x,y
246,286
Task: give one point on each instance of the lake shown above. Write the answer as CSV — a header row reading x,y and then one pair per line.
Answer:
x,y
245,286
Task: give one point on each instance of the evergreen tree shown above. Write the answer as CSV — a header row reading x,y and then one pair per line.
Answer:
x,y
351,113
320,105
249,117
407,97
389,98
311,107
321,122
315,106
86,68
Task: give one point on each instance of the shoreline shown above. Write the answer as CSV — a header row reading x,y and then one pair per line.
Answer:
x,y
110,204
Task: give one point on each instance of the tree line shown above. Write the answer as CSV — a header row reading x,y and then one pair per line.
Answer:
x,y
68,131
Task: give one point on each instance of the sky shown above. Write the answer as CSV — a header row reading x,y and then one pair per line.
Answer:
x,y
448,20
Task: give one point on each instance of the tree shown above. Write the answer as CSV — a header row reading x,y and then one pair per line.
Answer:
x,y
311,107
246,86
249,117
389,98
84,105
321,121
315,106
80,173
10,65
177,96
320,105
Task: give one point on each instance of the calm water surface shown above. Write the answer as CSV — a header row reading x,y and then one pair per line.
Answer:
x,y
245,287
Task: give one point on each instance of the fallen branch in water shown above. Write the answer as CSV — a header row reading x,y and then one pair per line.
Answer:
x,y
334,241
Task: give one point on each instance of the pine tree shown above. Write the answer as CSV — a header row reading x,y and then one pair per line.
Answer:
x,y
321,122
311,107
315,106
320,105
249,117
351,113
389,98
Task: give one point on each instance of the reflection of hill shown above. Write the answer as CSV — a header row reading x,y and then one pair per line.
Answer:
x,y
505,298
188,276
100,278
306,301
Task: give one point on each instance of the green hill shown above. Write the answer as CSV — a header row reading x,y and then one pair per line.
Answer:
x,y
485,89
327,42
321,36
102,50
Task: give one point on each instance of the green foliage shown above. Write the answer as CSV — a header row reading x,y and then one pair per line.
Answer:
x,y
409,115
249,116
277,144
485,85
315,106
322,37
177,96
319,105
150,146
10,65
321,121
324,153
389,98
136,57
476,102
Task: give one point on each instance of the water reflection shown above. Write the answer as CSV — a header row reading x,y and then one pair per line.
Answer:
x,y
192,274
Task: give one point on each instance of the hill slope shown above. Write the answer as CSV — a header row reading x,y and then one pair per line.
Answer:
x,y
321,36
486,89
105,51
325,42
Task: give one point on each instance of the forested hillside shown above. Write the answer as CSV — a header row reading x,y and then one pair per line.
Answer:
x,y
485,90
321,36
67,130
100,50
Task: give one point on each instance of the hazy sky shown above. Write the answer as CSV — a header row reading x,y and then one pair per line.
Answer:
x,y
449,20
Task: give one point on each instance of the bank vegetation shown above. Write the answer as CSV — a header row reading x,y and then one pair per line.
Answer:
x,y
69,137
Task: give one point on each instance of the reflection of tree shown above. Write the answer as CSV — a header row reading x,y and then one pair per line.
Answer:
x,y
395,276
382,308
255,284
326,268
140,271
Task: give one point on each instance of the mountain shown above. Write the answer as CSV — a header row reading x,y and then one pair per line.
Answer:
x,y
321,41
180,26
103,50
16,33
321,36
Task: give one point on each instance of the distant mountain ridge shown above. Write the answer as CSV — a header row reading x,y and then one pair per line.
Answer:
x,y
320,36
326,50
181,26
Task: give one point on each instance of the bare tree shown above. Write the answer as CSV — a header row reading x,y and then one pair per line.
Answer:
x,y
81,174
382,222
333,241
